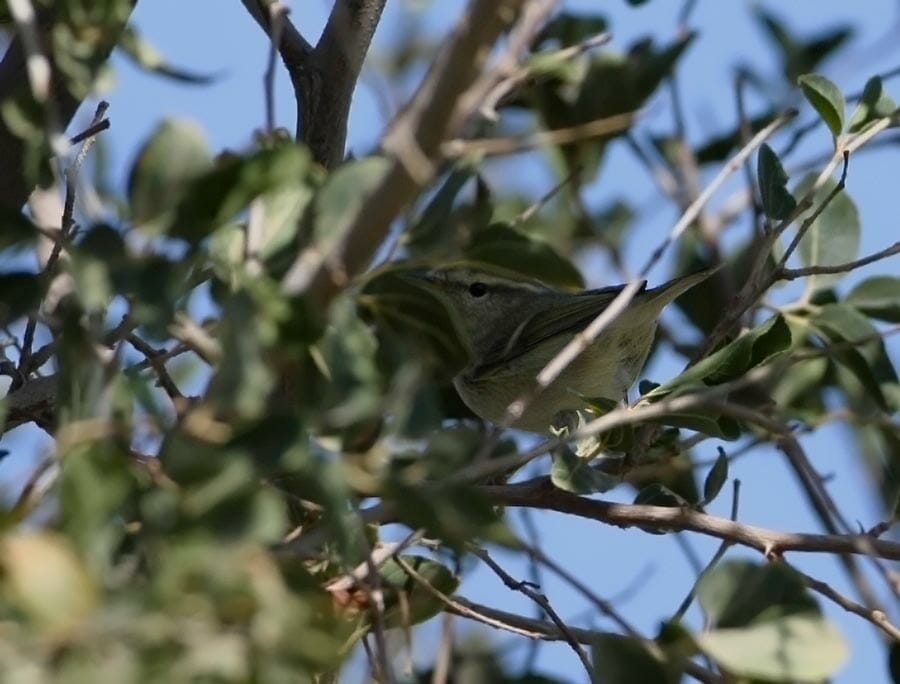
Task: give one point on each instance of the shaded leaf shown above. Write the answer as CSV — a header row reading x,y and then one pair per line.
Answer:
x,y
750,350
777,201
217,196
833,238
826,99
716,478
877,297
504,246
574,474
174,155
874,104
841,325
417,603
619,659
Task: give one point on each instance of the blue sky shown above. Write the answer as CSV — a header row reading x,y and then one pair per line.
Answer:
x,y
224,41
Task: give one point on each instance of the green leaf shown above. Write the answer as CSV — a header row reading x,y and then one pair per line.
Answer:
x,y
877,297
777,201
574,474
175,155
833,238
826,99
721,427
417,604
716,479
841,325
504,246
795,648
619,659
431,228
874,104
750,350
741,593
216,197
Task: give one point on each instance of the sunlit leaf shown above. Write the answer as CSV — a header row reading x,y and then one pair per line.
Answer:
x,y
874,104
826,99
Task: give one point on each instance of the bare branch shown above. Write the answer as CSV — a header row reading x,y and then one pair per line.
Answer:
x,y
540,493
794,273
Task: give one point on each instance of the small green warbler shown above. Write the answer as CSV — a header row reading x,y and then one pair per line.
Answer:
x,y
512,327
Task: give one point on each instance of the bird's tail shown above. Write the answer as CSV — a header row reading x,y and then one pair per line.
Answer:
x,y
670,291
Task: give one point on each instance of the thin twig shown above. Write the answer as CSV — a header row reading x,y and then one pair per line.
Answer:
x,y
277,13
541,600
794,273
875,616
717,556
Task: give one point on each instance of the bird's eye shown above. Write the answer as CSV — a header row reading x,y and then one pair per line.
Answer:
x,y
478,289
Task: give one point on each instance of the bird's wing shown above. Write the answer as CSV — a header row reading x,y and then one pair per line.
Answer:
x,y
570,315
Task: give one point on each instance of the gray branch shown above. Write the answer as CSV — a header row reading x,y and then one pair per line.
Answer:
x,y
324,77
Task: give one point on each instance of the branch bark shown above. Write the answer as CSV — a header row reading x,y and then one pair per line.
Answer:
x,y
415,139
540,493
324,77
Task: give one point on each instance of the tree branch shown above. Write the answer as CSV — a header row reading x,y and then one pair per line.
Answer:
x,y
540,493
324,77
414,142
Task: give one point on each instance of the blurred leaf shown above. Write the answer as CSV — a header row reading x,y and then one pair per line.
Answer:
x,y
430,230
47,582
718,147
417,604
841,325
619,659
716,478
877,297
20,293
826,99
777,201
741,593
454,513
504,246
569,28
799,56
788,649
572,473
833,238
144,55
611,84
709,423
750,350
414,315
173,156
874,104
217,196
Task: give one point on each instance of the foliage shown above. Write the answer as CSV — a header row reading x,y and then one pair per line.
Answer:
x,y
228,532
